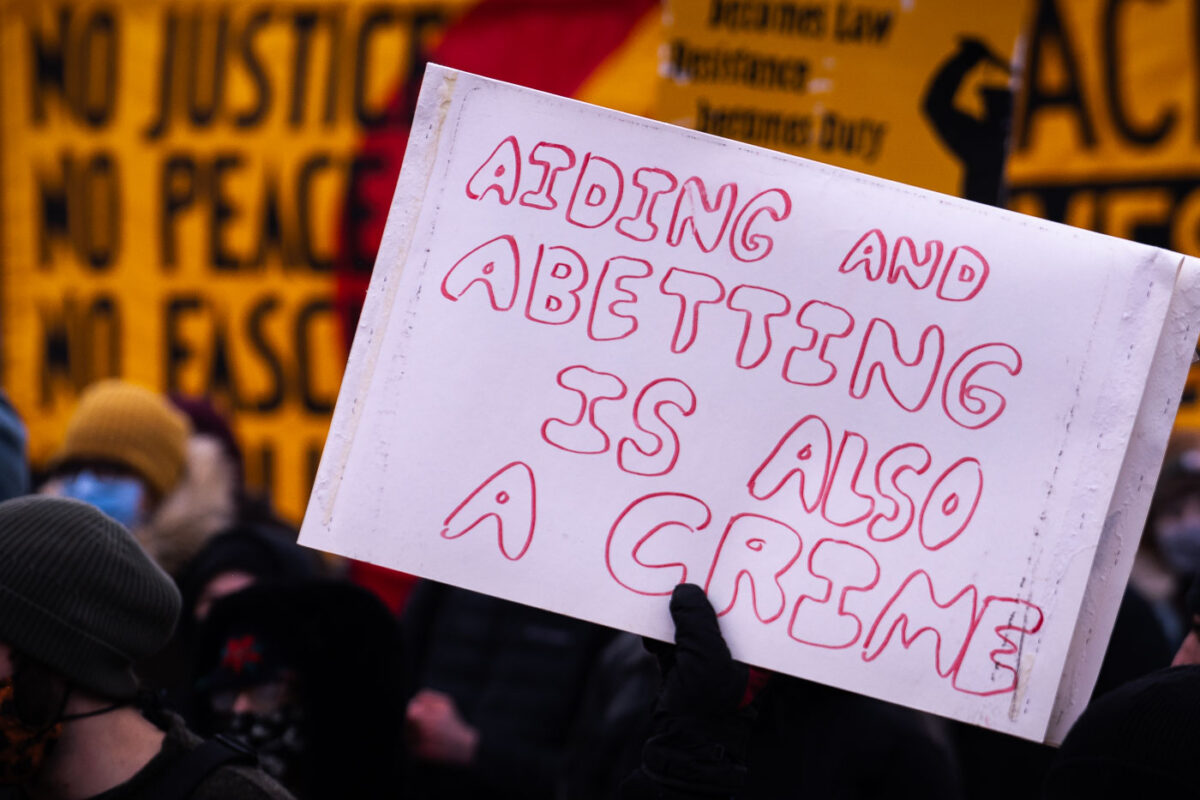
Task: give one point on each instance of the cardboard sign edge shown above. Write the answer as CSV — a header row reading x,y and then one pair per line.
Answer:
x,y
1119,538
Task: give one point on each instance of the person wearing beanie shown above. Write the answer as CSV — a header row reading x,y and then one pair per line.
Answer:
x,y
126,451
307,673
14,466
236,558
1169,551
228,562
130,429
80,603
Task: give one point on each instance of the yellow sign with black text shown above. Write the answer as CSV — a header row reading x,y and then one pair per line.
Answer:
x,y
917,92
1107,133
193,191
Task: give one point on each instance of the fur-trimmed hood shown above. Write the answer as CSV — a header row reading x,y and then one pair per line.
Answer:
x,y
202,504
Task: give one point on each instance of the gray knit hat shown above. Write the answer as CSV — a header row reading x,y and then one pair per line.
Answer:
x,y
78,593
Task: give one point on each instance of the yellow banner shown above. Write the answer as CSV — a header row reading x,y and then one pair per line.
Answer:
x,y
900,89
175,179
1107,133
192,192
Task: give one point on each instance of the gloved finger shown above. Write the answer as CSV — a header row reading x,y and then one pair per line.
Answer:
x,y
696,627
704,668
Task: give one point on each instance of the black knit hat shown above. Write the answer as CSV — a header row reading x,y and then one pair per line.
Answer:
x,y
78,594
1139,740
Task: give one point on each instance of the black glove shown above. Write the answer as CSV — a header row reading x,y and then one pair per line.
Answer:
x,y
703,717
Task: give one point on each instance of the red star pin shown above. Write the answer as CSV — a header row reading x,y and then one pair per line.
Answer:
x,y
241,652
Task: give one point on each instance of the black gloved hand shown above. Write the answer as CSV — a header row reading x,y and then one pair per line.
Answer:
x,y
704,714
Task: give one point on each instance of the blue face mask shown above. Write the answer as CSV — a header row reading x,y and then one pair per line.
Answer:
x,y
1179,544
119,497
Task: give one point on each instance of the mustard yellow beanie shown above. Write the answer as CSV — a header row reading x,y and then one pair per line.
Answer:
x,y
125,424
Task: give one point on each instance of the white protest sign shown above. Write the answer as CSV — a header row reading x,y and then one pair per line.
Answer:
x,y
882,427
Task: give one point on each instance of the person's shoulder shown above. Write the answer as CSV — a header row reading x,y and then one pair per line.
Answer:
x,y
233,782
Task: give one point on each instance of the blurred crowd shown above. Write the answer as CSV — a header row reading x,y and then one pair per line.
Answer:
x,y
163,635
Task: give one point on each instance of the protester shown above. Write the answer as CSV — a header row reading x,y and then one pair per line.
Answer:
x,y
1189,650
706,709
125,452
307,674
229,562
721,729
1139,740
14,466
237,558
1137,647
80,602
215,459
1169,554
496,691
612,722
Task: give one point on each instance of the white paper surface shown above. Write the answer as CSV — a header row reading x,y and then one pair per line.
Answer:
x,y
601,355
1127,513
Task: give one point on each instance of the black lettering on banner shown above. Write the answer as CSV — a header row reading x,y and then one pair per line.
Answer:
x,y
258,75
81,204
80,343
256,333
177,192
337,23
97,67
1049,34
358,213
311,166
221,378
714,65
861,24
177,353
100,211
79,63
757,126
273,234
49,68
303,24
285,224
807,19
166,78
205,64
1169,208
332,56
222,210
52,203
215,357
1145,135
1195,51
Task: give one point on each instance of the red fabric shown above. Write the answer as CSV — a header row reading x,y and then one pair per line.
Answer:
x,y
392,587
549,45
755,681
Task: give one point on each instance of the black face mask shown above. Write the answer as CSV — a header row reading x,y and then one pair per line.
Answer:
x,y
275,737
23,747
